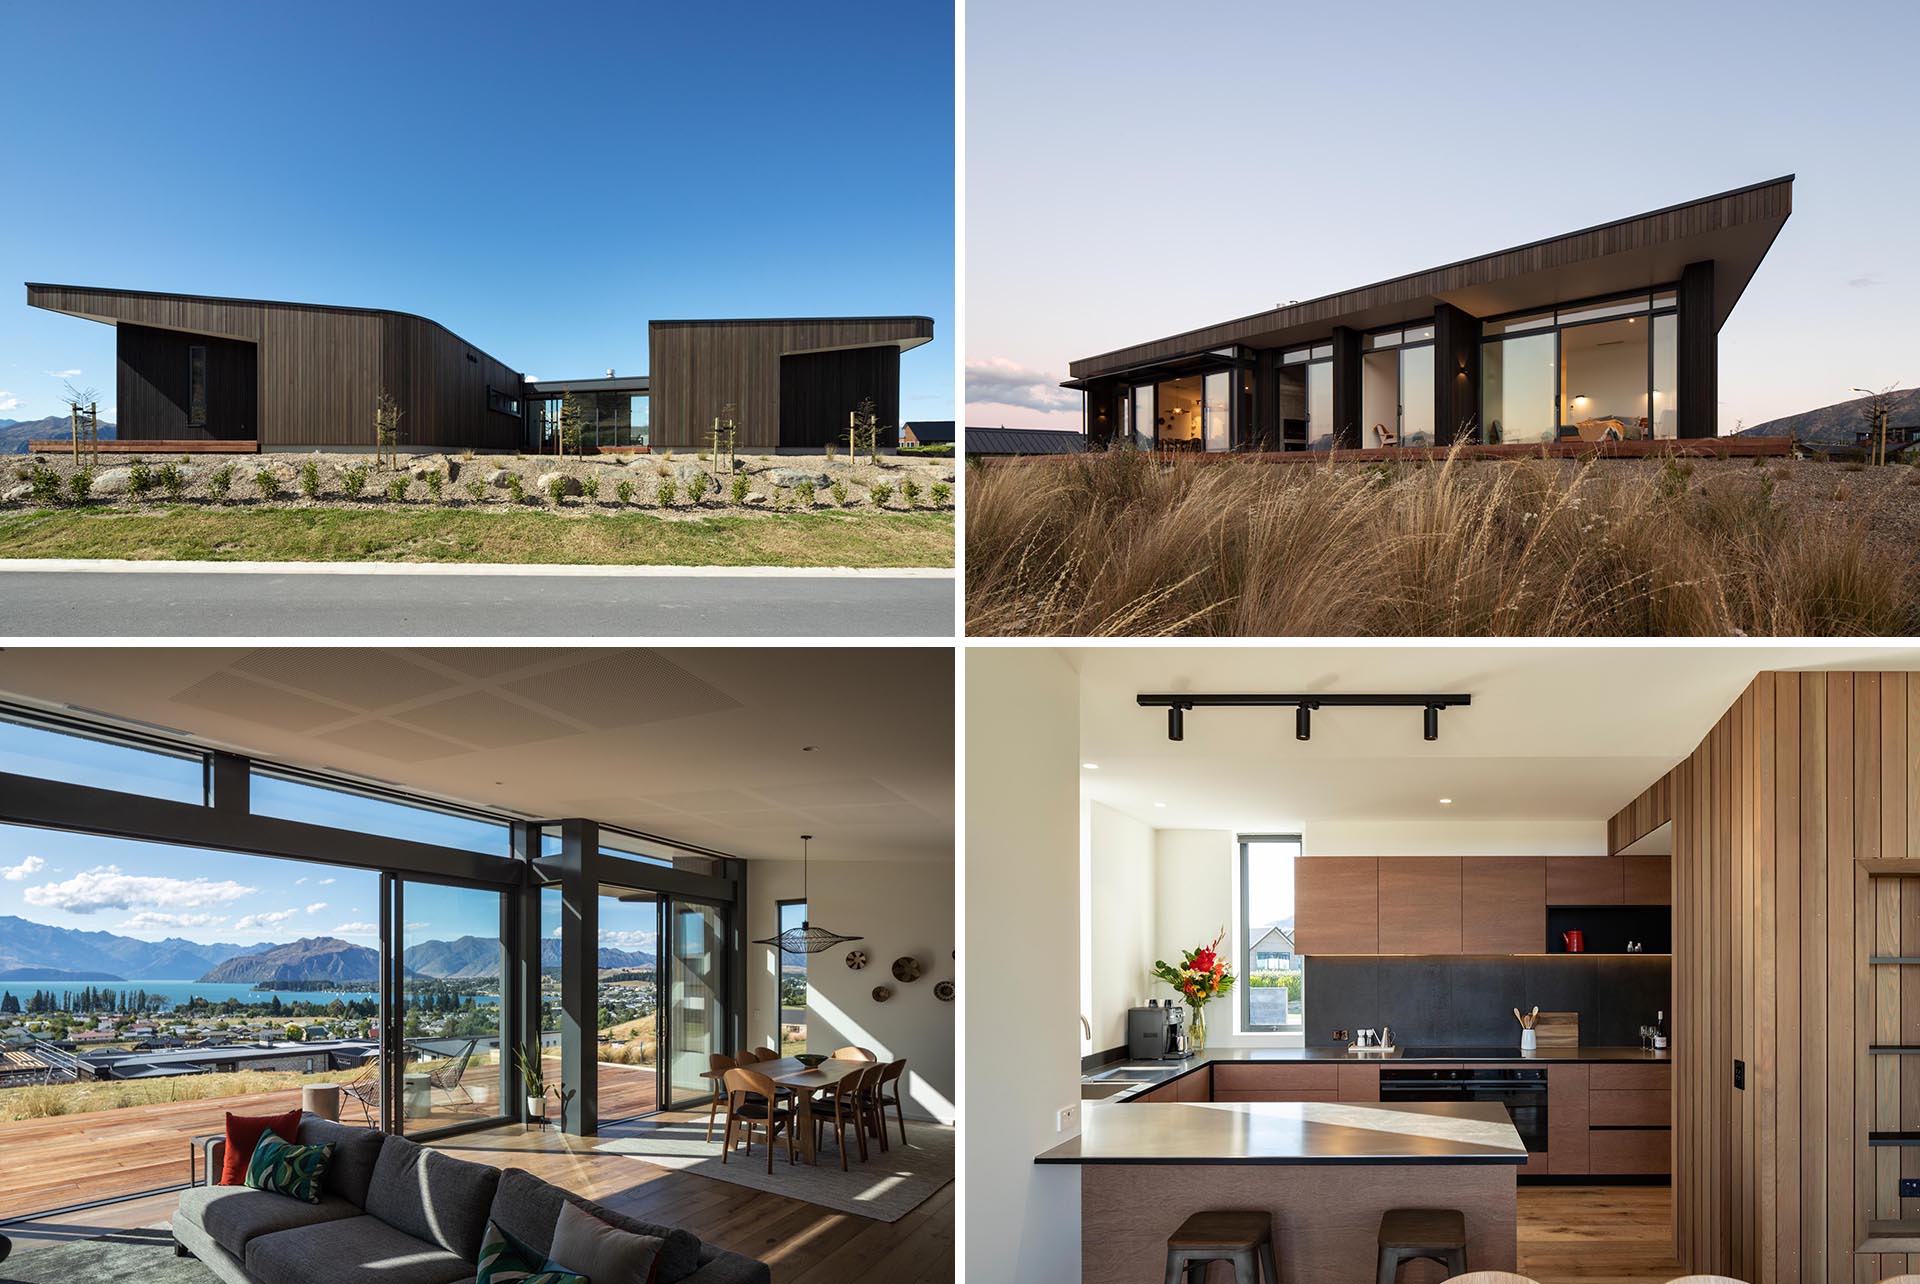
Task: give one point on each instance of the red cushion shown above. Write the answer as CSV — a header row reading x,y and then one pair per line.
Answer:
x,y
243,1134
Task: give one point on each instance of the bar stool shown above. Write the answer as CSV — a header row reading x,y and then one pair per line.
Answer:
x,y
1413,1234
1241,1238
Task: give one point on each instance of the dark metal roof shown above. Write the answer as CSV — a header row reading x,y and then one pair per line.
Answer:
x,y
1024,441
615,383
930,432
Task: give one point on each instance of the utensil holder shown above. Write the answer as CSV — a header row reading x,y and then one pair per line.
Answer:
x,y
1529,1040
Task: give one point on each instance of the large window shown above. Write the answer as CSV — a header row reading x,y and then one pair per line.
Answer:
x,y
629,1004
1217,413
196,386
1396,388
696,997
339,807
1603,371
1272,985
1517,388
1143,417
82,758
793,985
452,961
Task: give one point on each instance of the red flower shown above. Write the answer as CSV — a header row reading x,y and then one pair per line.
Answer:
x,y
1203,960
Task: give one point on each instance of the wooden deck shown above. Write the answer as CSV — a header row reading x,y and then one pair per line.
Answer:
x,y
115,446
804,1243
1691,448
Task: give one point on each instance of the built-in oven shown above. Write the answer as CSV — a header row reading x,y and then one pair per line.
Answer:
x,y
1522,1090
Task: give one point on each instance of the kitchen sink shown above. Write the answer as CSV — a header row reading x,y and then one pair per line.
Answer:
x,y
1101,1091
1130,1073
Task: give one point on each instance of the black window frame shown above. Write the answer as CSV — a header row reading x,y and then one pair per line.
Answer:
x,y
1244,946
197,385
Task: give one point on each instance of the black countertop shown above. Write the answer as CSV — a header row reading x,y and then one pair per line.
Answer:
x,y
1124,1080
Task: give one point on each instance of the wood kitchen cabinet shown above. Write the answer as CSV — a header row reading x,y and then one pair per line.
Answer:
x,y
1420,905
1503,904
1567,1121
1648,880
1336,905
1585,880
1269,1081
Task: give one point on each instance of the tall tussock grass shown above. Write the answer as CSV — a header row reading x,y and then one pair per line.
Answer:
x,y
1122,543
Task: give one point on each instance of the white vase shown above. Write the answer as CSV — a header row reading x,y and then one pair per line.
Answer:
x,y
536,1107
1528,1041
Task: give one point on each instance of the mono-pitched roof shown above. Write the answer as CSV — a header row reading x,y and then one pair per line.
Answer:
x,y
930,431
1024,441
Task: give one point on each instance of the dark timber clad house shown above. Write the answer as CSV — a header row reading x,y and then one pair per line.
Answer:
x,y
301,376
1600,335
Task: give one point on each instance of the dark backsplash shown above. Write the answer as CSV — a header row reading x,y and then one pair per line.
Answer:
x,y
1436,1000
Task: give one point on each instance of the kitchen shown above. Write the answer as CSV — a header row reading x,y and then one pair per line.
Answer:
x,y
1454,938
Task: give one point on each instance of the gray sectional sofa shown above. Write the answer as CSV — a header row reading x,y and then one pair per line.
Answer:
x,y
394,1212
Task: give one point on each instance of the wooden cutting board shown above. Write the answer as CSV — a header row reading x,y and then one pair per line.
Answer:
x,y
1557,1030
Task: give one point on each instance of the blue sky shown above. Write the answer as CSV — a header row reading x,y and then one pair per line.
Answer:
x,y
1134,170
541,179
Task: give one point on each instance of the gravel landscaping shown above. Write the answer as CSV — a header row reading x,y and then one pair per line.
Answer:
x,y
670,485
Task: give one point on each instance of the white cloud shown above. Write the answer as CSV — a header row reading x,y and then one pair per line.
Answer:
x,y
62,374
316,907
8,401
261,922
105,887
627,940
325,882
14,873
355,929
300,880
1006,383
418,927
149,921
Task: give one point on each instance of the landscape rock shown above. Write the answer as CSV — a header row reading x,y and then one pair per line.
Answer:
x,y
448,465
15,493
798,477
114,481
498,477
544,483
687,472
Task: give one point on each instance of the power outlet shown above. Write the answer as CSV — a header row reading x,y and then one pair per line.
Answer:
x,y
1740,1075
1067,1120
1910,1188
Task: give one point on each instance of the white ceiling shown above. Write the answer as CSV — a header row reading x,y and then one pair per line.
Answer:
x,y
708,746
1554,733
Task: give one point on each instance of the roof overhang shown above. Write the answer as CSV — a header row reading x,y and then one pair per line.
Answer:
x,y
902,332
618,383
1733,230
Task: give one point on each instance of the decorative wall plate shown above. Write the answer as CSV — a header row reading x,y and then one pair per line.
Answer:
x,y
906,970
856,959
881,994
943,991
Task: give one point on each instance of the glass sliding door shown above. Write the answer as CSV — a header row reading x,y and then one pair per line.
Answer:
x,y
451,962
1217,412
628,1013
1517,383
1603,379
1416,396
696,997
1320,406
1666,376
1143,437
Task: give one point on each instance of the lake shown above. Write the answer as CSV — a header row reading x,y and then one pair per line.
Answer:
x,y
176,993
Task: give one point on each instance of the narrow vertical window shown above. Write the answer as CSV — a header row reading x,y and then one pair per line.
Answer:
x,y
1274,981
196,387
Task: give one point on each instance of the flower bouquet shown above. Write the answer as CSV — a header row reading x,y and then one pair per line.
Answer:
x,y
1201,977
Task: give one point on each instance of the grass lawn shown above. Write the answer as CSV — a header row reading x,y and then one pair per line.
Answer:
x,y
194,533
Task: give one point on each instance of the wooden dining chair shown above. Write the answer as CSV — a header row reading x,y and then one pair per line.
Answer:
x,y
851,1053
766,1054
886,1092
745,1057
872,1117
1488,1277
718,1063
1711,1279
837,1106
752,1099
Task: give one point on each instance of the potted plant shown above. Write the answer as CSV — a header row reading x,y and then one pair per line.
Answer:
x,y
534,1079
1201,977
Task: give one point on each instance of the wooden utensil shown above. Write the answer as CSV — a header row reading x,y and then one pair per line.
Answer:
x,y
1527,1021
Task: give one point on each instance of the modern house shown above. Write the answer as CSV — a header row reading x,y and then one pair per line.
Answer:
x,y
1608,334
989,442
1698,888
250,374
927,432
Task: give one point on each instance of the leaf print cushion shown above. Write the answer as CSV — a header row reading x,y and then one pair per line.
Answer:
x,y
284,1168
505,1260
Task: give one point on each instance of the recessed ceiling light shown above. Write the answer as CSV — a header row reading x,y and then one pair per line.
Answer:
x,y
1446,802
1159,804
1091,766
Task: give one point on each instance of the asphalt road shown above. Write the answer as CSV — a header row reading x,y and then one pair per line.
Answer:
x,y
132,603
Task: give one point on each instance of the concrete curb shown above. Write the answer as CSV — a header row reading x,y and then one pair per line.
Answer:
x,y
111,565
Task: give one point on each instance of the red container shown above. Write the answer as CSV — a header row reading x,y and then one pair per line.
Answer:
x,y
1575,941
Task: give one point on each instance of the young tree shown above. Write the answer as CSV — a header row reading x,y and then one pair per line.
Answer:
x,y
573,423
1877,407
83,407
386,429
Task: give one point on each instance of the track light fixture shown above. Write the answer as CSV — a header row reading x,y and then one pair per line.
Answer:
x,y
1303,705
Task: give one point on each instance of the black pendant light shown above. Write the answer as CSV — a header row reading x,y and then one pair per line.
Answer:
x,y
806,938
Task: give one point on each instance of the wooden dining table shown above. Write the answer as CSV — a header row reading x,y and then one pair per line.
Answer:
x,y
806,1080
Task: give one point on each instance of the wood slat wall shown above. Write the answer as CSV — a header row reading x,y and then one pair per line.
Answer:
x,y
1652,809
1773,928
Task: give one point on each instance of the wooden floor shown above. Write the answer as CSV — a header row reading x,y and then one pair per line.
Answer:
x,y
805,1244
1597,1234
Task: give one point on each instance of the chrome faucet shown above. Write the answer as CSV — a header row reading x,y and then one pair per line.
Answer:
x,y
1086,1027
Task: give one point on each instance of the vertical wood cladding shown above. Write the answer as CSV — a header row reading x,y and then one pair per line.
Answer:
x,y
1346,387
1698,353
320,370
153,387
1456,374
819,390
698,368
1774,926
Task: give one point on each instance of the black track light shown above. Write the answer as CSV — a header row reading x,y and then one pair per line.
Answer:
x,y
1176,722
1431,726
1303,723
1179,704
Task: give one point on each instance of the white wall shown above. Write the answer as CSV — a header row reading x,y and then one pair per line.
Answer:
x,y
900,908
1455,838
1023,955
1117,957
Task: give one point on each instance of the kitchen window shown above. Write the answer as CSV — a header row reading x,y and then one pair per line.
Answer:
x,y
1272,978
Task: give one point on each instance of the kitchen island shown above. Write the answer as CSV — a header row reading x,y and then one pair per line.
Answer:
x,y
1326,1171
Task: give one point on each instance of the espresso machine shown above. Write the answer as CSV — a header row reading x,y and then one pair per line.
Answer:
x,y
1157,1032
1179,1048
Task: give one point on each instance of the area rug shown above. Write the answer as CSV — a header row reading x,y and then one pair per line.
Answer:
x,y
145,1255
887,1187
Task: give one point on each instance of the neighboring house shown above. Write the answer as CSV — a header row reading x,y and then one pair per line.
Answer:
x,y
1273,952
985,442
1605,334
927,432
254,374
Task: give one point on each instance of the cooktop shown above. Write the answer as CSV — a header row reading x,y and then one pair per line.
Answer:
x,y
1464,1053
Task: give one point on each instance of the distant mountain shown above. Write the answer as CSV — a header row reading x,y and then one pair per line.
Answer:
x,y
463,956
312,958
24,943
609,957
54,974
16,433
1840,423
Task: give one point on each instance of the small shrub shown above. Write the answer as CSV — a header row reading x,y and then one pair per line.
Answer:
x,y
140,479
1853,466
516,489
397,488
46,485
803,495
942,494
697,486
476,489
623,490
557,490
354,480
590,487
667,492
219,482
80,485
310,479
909,491
435,480
942,449
839,492
267,482
1674,476
739,489
880,492
172,481
1841,493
